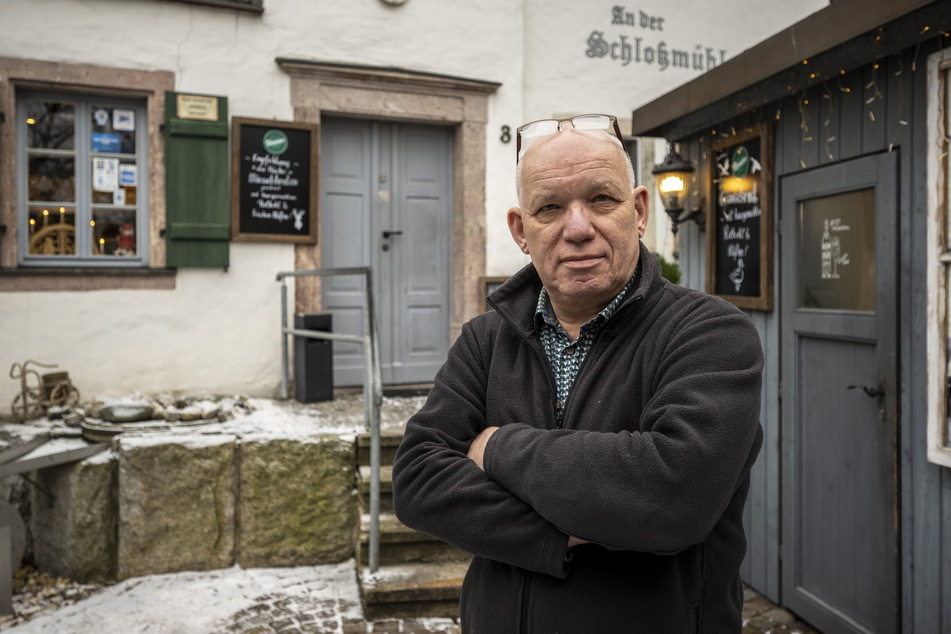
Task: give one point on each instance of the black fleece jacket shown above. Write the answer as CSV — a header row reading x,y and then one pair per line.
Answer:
x,y
651,466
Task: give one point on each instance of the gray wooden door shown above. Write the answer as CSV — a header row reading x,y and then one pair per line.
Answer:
x,y
385,203
839,336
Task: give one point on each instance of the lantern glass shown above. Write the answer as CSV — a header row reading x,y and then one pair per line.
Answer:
x,y
672,187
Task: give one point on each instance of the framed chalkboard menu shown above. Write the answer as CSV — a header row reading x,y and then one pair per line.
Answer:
x,y
274,186
740,242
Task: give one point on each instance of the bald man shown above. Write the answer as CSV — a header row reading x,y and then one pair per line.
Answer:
x,y
589,439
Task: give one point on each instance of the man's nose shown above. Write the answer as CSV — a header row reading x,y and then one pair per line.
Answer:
x,y
578,223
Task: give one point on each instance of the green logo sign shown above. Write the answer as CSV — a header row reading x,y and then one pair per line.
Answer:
x,y
740,162
275,141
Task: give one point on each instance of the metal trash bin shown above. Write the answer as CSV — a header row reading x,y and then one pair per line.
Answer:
x,y
313,360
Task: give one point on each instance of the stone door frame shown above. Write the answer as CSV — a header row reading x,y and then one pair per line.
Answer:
x,y
399,95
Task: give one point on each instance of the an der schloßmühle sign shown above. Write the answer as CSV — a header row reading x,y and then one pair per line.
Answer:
x,y
274,191
739,249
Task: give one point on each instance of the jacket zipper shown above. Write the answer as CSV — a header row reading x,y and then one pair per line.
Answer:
x,y
525,590
597,346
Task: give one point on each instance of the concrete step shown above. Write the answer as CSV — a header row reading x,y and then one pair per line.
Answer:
x,y
386,488
389,442
413,590
420,576
400,544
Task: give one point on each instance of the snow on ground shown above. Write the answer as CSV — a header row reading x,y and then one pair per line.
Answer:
x,y
232,599
202,602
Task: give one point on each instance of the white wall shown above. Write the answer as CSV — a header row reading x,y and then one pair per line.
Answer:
x,y
217,331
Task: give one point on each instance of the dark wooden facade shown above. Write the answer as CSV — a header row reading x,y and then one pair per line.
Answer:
x,y
865,96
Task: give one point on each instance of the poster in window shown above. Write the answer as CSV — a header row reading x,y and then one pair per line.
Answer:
x,y
274,186
123,119
740,240
105,174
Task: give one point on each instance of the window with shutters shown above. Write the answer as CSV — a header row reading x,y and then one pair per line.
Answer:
x,y
81,163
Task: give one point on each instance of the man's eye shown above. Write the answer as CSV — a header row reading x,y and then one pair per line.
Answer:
x,y
603,198
550,207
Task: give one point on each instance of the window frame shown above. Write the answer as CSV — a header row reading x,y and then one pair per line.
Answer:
x,y
254,6
939,259
83,205
16,74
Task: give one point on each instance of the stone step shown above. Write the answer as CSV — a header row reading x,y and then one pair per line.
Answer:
x,y
401,544
416,590
389,442
386,488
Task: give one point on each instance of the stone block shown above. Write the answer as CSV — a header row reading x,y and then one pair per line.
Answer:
x,y
73,519
176,499
296,503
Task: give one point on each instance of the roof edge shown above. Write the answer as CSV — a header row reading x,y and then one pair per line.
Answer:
x,y
825,29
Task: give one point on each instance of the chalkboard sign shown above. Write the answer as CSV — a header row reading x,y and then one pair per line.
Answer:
x,y
739,248
274,187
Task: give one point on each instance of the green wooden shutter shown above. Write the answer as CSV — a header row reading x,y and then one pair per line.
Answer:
x,y
196,188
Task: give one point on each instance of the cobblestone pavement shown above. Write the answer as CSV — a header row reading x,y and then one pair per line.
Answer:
x,y
760,616
287,615
320,599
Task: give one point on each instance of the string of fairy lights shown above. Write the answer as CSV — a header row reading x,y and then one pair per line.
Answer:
x,y
874,97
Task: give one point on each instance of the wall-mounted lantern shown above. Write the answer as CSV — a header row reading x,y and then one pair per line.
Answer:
x,y
672,177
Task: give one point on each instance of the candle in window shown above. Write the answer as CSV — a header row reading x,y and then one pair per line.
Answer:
x,y
102,246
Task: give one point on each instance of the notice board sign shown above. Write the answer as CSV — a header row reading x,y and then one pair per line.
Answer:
x,y
740,242
274,181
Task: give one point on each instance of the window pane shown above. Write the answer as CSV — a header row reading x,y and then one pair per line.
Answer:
x,y
52,179
52,231
50,125
837,247
114,181
113,232
112,129
81,153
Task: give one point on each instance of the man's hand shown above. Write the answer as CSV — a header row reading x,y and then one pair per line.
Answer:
x,y
477,448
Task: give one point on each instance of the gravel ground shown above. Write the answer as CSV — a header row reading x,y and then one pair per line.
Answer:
x,y
37,593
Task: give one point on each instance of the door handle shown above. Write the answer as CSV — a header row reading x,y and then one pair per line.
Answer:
x,y
387,234
871,392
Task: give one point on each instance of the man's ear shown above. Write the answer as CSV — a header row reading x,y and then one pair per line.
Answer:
x,y
517,228
642,208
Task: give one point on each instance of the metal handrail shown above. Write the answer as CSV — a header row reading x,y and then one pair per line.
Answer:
x,y
372,383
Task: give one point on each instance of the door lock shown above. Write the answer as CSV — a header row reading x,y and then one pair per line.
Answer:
x,y
871,392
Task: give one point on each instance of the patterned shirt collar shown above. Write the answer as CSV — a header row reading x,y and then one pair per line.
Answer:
x,y
565,357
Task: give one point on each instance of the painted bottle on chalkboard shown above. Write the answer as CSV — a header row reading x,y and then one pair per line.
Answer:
x,y
826,252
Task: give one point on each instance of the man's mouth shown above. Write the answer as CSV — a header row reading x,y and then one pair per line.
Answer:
x,y
580,261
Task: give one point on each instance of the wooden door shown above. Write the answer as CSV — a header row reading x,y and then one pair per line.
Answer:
x,y
840,542
385,202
